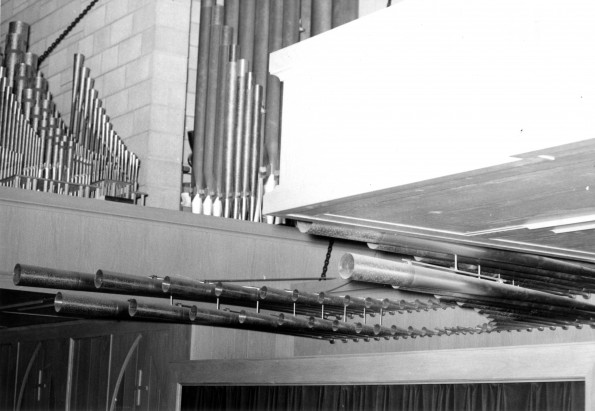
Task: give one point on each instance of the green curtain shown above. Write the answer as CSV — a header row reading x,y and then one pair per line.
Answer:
x,y
531,396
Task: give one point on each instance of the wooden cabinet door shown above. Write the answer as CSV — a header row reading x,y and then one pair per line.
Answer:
x,y
8,366
90,373
151,371
140,371
123,371
42,372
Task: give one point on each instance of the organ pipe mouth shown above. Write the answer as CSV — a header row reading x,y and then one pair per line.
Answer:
x,y
166,284
336,325
219,289
98,279
242,317
262,292
58,300
346,265
132,307
321,296
17,274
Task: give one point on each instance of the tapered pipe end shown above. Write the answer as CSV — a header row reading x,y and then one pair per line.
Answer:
x,y
16,279
207,206
303,226
132,307
346,266
193,313
217,207
98,279
197,205
166,284
58,301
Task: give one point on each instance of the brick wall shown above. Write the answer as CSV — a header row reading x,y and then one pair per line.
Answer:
x,y
137,51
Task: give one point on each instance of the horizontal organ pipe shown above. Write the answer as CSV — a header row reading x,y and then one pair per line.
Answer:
x,y
90,307
423,279
32,276
478,250
127,284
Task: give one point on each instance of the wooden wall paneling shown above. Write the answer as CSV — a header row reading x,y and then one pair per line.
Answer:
x,y
123,371
556,362
153,356
90,373
8,366
42,376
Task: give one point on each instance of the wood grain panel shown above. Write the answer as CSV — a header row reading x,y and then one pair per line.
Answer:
x,y
90,373
8,359
509,364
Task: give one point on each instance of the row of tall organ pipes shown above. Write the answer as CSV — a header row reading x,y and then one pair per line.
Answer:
x,y
38,150
237,121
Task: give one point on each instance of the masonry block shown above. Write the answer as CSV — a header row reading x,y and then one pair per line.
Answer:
x,y
173,13
115,10
170,67
129,49
114,81
172,41
166,146
139,69
139,95
95,19
167,119
109,59
117,104
144,18
121,29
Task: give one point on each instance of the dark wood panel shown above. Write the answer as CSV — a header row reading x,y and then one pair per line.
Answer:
x,y
8,363
90,373
42,375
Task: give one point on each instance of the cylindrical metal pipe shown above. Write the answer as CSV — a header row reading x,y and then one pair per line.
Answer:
x,y
229,132
246,31
222,108
86,306
423,279
344,11
291,22
33,276
247,147
188,289
261,43
305,19
232,17
322,16
158,312
239,135
273,93
200,102
213,84
108,281
492,266
478,249
255,153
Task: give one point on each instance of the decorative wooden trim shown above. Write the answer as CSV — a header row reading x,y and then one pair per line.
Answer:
x,y
556,362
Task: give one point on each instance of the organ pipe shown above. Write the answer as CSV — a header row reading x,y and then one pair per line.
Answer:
x,y
408,276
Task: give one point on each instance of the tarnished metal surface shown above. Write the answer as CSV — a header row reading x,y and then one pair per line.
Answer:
x,y
108,281
90,307
33,276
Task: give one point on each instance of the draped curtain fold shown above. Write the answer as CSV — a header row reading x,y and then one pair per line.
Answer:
x,y
530,396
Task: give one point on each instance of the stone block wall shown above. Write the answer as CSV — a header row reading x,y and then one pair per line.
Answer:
x,y
137,51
